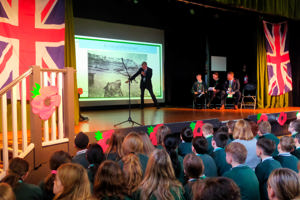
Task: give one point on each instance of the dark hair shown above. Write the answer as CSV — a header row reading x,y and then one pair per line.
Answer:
x,y
221,139
193,166
187,134
171,143
95,156
220,188
268,146
297,137
144,63
57,159
216,73
81,140
200,144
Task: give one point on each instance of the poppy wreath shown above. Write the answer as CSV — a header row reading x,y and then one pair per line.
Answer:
x,y
282,118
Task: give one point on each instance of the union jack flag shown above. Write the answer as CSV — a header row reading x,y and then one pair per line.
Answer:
x,y
32,32
278,58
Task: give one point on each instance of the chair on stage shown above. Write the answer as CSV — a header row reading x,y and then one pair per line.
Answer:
x,y
249,94
201,99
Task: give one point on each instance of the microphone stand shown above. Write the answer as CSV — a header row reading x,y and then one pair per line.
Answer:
x,y
129,120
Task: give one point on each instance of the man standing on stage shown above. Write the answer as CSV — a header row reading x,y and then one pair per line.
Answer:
x,y
231,90
146,75
216,89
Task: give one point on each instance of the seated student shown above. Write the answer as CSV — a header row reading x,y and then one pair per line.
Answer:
x,y
294,127
193,169
219,142
134,144
264,149
199,90
109,182
200,149
57,159
296,152
218,188
162,131
159,181
283,184
6,192
170,144
114,149
186,136
285,147
81,143
241,174
208,131
15,177
147,144
230,125
264,130
71,182
95,156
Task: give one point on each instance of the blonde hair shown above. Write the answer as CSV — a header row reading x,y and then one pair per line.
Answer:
x,y
159,178
132,144
115,144
75,181
207,128
242,130
264,127
147,144
6,192
285,183
287,143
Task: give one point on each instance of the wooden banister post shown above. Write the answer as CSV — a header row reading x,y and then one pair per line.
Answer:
x,y
68,107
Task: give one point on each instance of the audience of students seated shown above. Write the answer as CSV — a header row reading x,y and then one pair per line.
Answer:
x,y
264,130
6,192
200,149
162,131
243,134
294,127
194,171
57,159
296,152
81,144
208,131
240,173
186,136
114,149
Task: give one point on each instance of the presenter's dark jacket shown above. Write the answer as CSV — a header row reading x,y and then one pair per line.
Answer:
x,y
210,167
235,86
271,137
199,86
263,171
25,191
219,156
247,181
218,85
297,153
287,161
145,80
184,148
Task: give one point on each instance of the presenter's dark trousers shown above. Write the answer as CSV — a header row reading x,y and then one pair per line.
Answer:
x,y
151,93
236,97
214,95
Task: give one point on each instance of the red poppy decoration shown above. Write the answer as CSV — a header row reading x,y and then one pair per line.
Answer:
x,y
80,91
282,118
198,129
103,138
153,133
263,117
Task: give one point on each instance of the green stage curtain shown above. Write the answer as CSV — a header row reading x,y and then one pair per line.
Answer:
x,y
70,57
264,100
285,8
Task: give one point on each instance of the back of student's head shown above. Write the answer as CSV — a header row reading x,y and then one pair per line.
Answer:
x,y
171,143
287,144
283,184
207,129
264,127
297,137
57,159
187,134
17,170
237,151
200,145
6,192
220,188
162,131
147,144
109,181
95,156
132,144
81,140
221,139
230,124
193,166
268,146
74,181
159,177
242,130
295,126
115,143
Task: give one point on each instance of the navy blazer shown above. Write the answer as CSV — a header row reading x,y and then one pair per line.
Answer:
x,y
147,83
235,85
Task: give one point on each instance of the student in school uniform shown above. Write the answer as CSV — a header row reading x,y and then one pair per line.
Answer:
x,y
296,151
240,173
294,127
208,131
186,136
219,142
193,169
264,149
200,149
264,130
114,149
286,159
81,144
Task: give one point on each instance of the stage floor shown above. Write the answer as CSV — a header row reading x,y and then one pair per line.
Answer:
x,y
105,119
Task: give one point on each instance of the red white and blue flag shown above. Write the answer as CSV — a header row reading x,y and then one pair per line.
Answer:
x,y
32,32
278,58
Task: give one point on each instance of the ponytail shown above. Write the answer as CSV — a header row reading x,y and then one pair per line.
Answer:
x,y
171,144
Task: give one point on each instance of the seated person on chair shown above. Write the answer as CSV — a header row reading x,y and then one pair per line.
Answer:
x,y
199,89
231,89
216,89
